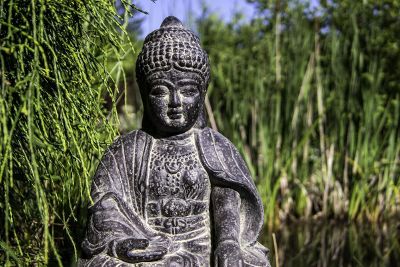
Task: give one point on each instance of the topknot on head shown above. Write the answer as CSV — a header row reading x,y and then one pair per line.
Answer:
x,y
171,22
172,46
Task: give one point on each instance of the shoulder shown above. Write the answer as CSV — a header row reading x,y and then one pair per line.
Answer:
x,y
127,141
211,137
215,143
218,153
122,151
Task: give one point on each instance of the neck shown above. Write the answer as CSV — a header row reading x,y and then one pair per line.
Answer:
x,y
167,135
178,136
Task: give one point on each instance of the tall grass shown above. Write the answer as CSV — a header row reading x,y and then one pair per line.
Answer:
x,y
53,122
309,101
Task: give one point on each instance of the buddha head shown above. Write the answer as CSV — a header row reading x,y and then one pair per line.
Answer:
x,y
173,73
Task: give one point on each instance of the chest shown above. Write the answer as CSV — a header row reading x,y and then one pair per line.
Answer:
x,y
179,186
178,200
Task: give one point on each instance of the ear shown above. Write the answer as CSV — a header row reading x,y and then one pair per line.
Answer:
x,y
201,118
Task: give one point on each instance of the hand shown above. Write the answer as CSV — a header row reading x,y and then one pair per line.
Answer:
x,y
139,250
228,254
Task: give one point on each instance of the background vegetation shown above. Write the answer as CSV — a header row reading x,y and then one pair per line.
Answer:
x,y
310,96
53,121
312,99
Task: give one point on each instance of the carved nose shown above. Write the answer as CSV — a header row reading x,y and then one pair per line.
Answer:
x,y
175,100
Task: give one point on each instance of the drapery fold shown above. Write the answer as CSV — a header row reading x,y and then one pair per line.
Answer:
x,y
119,194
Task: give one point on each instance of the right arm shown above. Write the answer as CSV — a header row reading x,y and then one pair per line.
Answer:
x,y
114,226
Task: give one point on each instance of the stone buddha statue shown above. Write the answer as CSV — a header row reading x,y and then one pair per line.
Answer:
x,y
174,193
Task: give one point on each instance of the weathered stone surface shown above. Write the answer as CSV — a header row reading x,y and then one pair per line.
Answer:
x,y
175,193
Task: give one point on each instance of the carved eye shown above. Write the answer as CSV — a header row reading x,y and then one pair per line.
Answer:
x,y
159,91
189,90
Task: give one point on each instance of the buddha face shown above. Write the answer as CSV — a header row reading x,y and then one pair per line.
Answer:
x,y
174,99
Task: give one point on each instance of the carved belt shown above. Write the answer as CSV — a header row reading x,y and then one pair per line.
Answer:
x,y
176,208
178,225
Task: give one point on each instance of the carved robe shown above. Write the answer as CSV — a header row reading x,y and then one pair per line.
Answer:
x,y
120,192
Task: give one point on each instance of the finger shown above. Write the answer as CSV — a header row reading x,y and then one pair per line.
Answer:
x,y
235,262
216,260
230,261
146,255
124,246
160,249
160,240
130,244
222,262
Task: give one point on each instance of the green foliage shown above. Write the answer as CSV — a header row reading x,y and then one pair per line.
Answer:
x,y
312,99
53,121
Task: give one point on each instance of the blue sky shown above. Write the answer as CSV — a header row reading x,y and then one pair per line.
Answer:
x,y
188,10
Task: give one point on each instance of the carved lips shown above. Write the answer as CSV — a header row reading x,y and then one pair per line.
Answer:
x,y
174,113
